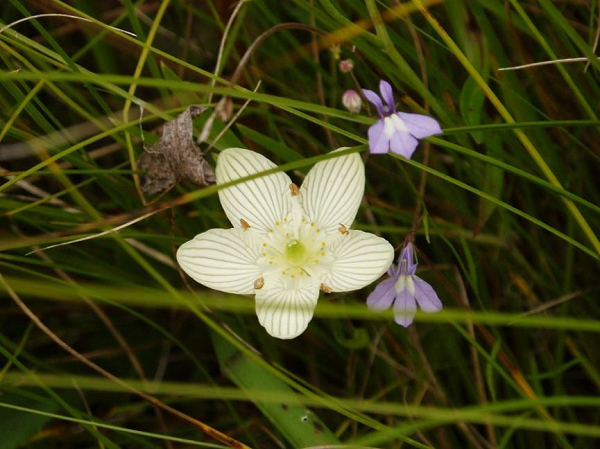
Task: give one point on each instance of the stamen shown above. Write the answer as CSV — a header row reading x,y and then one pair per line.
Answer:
x,y
245,225
325,288
259,283
294,189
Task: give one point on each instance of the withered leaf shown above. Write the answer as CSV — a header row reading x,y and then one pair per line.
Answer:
x,y
175,157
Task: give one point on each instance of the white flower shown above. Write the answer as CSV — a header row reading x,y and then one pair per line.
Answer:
x,y
287,243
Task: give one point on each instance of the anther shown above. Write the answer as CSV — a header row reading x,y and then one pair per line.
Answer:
x,y
343,229
245,225
294,189
325,288
259,283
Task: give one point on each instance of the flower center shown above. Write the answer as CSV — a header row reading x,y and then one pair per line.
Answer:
x,y
393,124
295,248
295,253
405,282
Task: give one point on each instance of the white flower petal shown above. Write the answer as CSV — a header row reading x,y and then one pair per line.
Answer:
x,y
332,191
261,202
222,259
359,259
283,311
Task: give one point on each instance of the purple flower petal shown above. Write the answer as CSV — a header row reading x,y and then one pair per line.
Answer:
x,y
420,126
405,308
387,94
426,296
382,297
392,270
379,142
374,99
407,255
403,143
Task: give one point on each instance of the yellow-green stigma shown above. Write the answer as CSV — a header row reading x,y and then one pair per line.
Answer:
x,y
295,253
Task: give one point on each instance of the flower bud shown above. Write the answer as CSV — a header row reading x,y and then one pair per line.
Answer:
x,y
352,101
346,65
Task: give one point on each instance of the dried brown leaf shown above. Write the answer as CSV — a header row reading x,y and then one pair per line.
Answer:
x,y
175,157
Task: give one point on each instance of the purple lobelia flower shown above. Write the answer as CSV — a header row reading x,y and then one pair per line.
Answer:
x,y
396,131
405,291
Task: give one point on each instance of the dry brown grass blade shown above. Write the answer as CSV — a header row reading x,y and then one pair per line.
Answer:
x,y
90,237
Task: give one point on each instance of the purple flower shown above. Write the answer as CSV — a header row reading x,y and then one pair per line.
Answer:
x,y
397,131
405,291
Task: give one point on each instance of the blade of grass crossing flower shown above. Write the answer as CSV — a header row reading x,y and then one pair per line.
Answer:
x,y
536,156
152,298
207,191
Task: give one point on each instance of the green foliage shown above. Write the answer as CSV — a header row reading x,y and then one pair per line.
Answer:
x,y
17,427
